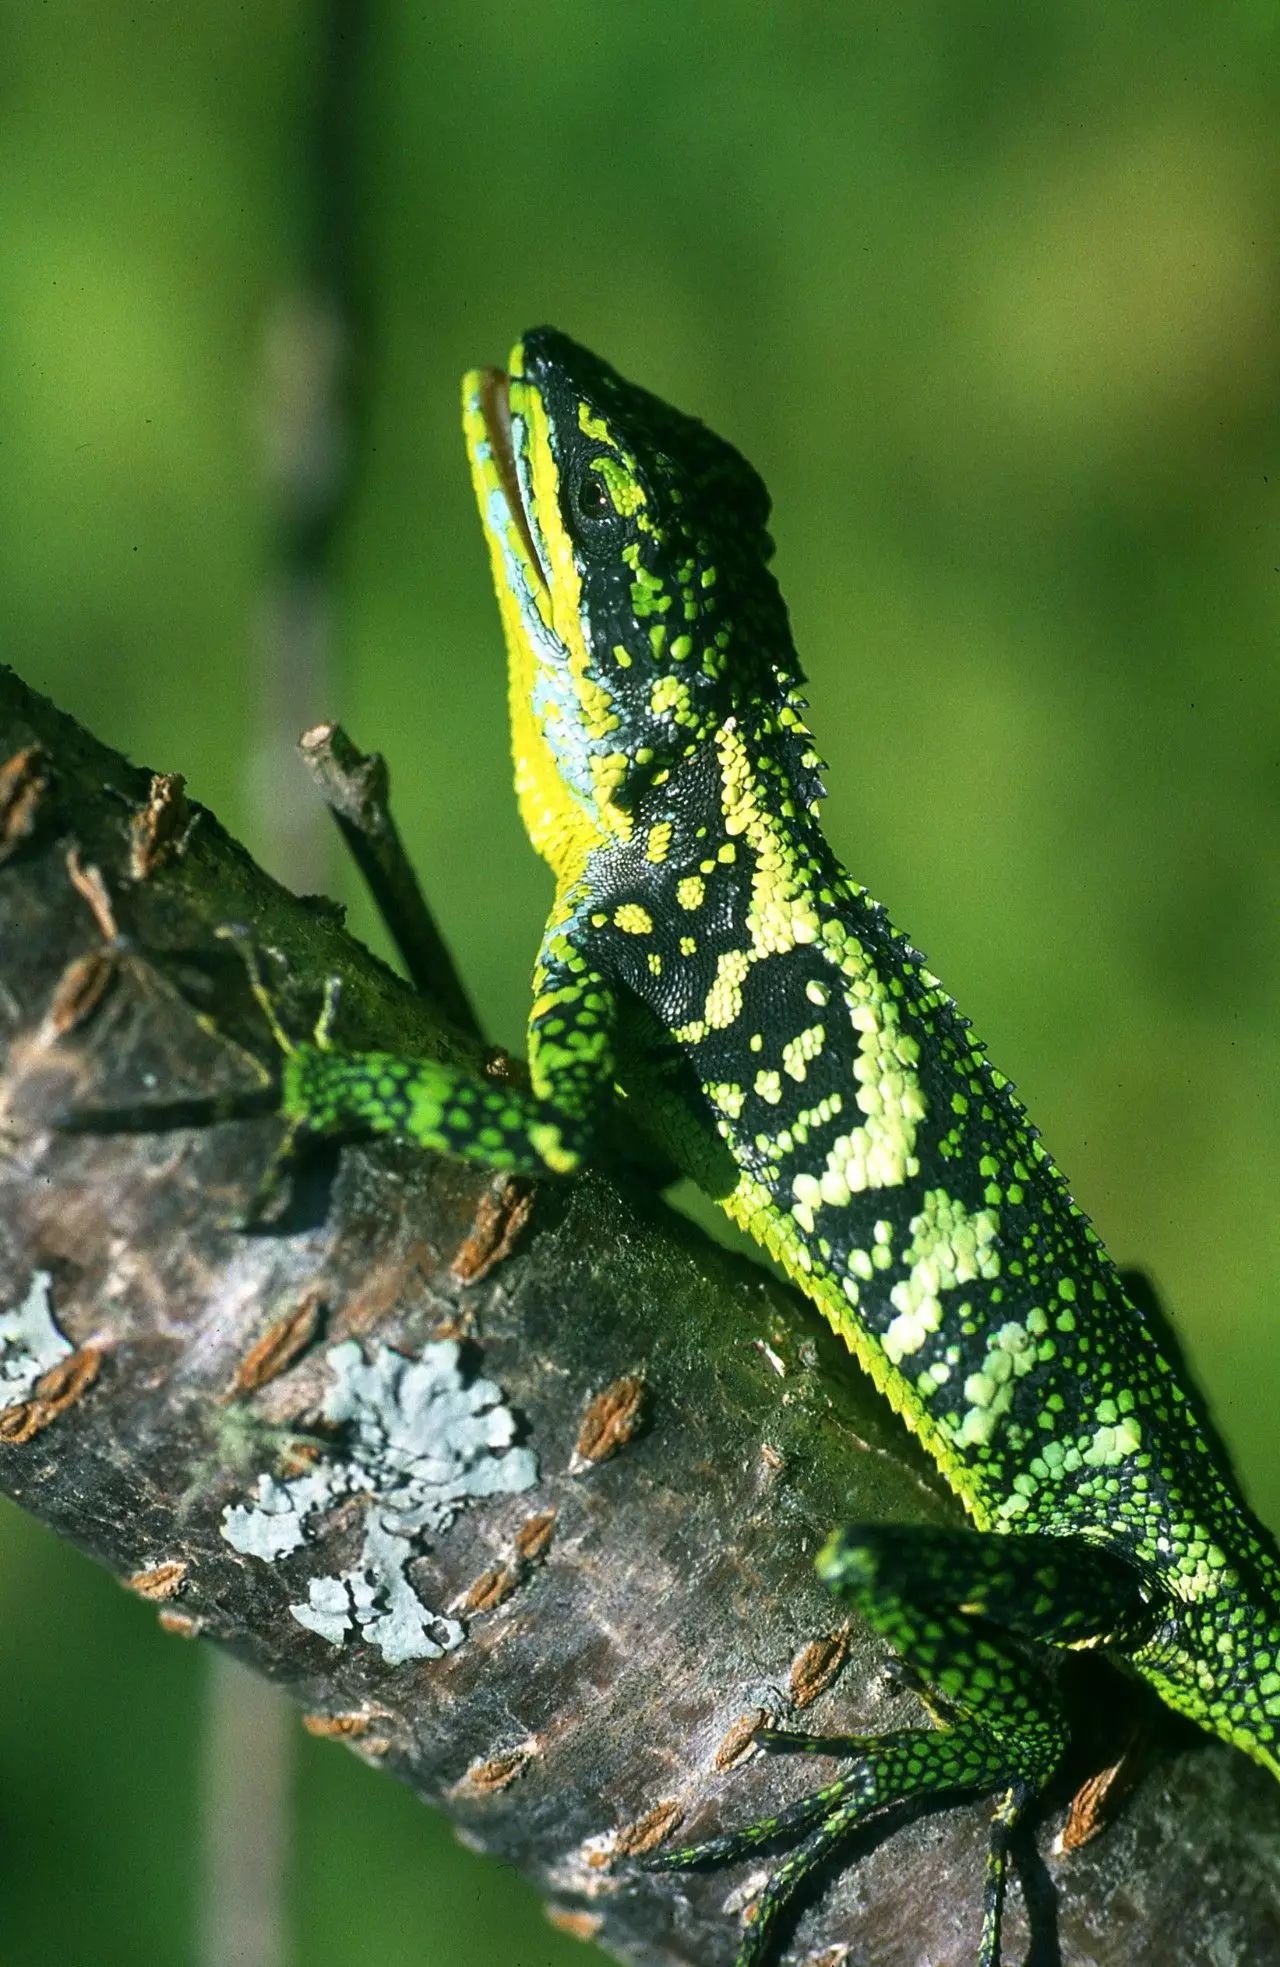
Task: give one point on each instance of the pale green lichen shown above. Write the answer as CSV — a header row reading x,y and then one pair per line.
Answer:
x,y
421,1441
30,1342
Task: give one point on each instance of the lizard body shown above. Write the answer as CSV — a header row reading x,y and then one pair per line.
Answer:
x,y
708,954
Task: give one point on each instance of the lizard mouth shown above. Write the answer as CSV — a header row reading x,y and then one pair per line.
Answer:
x,y
494,394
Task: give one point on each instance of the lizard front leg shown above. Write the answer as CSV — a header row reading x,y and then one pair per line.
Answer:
x,y
955,1605
550,1129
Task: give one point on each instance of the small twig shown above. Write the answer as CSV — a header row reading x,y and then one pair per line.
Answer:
x,y
356,788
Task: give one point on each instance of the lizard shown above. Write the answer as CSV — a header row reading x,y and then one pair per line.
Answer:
x,y
708,957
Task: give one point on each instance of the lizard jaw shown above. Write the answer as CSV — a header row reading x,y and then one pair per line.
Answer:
x,y
488,394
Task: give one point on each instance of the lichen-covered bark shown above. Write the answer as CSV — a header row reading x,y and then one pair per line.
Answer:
x,y
543,1473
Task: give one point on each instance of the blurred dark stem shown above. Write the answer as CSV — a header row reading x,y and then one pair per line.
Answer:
x,y
316,352
311,420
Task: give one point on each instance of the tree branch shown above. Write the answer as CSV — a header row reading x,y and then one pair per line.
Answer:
x,y
545,1492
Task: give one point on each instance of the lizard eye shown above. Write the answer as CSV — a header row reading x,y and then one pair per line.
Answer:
x,y
593,495
593,508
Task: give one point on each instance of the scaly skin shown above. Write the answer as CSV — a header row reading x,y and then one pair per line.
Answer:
x,y
787,1047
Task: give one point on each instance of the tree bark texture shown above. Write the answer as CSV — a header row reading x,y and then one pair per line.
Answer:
x,y
515,1490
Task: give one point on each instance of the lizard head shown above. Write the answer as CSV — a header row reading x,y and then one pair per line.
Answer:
x,y
630,554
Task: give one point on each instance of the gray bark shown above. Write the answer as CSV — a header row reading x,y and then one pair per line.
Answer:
x,y
615,1566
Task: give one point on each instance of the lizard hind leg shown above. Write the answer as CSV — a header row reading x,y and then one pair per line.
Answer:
x,y
909,1766
958,1606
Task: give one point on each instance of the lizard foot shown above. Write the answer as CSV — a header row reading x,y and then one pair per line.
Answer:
x,y
894,1770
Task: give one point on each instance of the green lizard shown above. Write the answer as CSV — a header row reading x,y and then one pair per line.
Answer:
x,y
708,954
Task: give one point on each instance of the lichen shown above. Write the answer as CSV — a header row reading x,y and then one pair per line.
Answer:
x,y
30,1342
421,1440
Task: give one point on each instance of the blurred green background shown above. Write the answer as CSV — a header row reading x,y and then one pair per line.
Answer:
x,y
989,293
